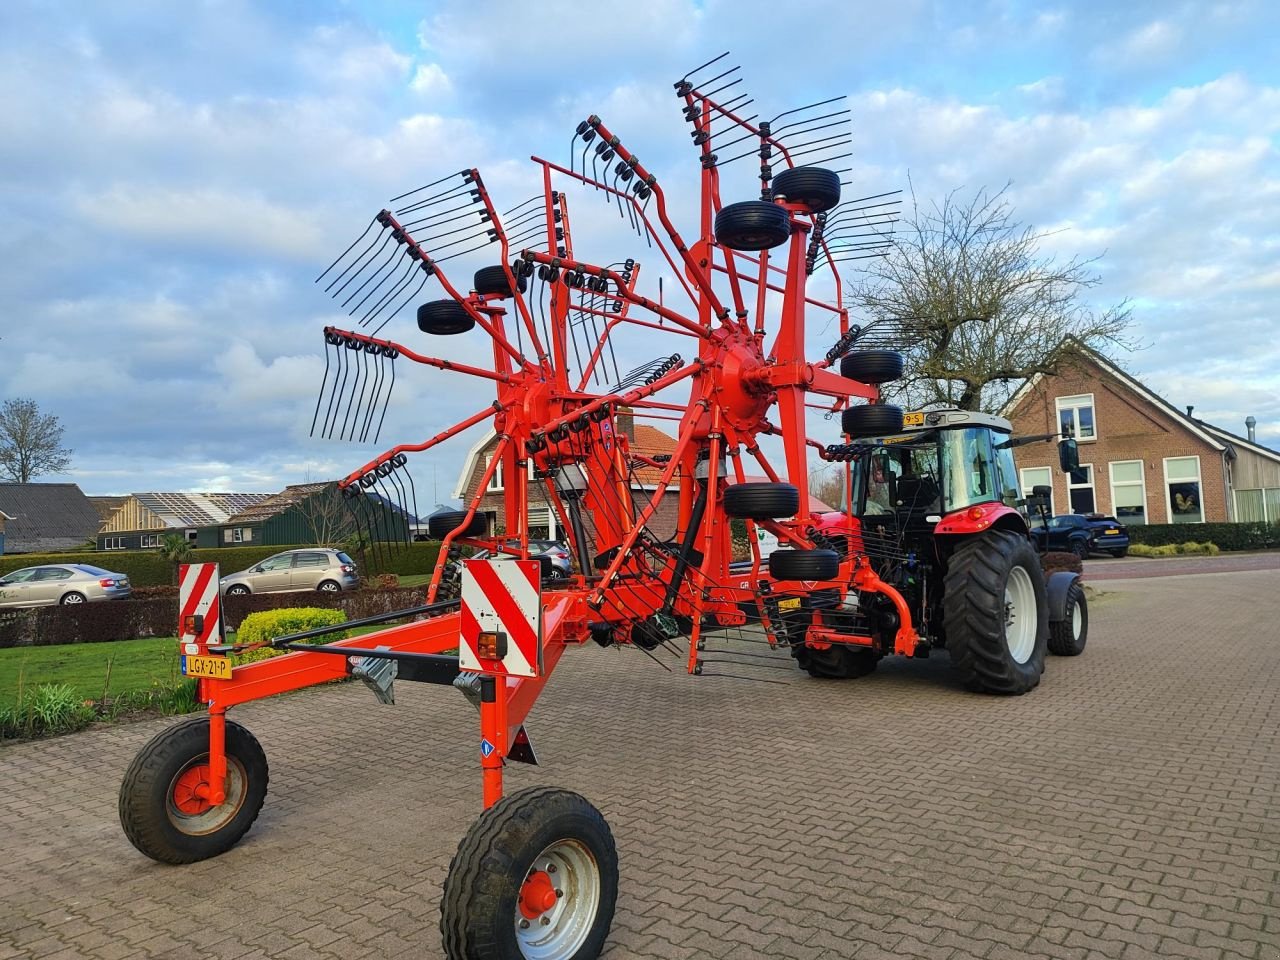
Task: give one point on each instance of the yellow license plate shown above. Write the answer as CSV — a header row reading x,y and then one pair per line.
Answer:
x,y
913,419
218,668
791,603
1113,531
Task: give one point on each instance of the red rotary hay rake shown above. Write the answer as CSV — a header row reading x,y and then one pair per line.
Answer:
x,y
536,876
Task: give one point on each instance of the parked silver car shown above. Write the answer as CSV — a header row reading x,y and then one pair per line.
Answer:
x,y
65,583
320,568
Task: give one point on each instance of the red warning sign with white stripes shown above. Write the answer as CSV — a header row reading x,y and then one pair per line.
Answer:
x,y
501,608
199,607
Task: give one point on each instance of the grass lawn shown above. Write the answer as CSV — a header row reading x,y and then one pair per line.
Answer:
x,y
135,665
415,580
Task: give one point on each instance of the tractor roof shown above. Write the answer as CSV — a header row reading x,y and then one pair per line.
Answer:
x,y
953,419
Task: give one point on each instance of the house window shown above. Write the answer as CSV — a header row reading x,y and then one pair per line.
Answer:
x,y
113,543
1075,417
150,540
1258,505
1128,491
1182,490
1033,477
238,535
495,482
1080,489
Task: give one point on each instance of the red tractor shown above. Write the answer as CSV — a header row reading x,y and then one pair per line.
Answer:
x,y
940,534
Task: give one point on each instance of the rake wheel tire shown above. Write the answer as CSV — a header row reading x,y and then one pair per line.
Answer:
x,y
490,280
752,225
444,318
1067,637
815,187
872,366
441,524
149,813
761,501
994,579
804,564
838,662
480,909
871,420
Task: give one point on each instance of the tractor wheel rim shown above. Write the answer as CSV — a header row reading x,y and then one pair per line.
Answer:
x,y
556,930
1077,621
188,805
1020,615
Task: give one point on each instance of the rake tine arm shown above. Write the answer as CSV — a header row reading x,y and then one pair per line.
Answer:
x,y
402,448
428,361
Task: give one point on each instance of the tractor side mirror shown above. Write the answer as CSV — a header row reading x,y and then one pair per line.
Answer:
x,y
1068,455
1041,492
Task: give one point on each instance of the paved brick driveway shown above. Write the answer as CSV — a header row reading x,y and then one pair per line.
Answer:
x,y
1128,809
1144,567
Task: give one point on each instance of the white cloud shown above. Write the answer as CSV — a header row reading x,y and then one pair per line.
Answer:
x,y
430,80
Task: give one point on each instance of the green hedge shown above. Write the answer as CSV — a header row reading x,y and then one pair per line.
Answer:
x,y
146,568
1228,536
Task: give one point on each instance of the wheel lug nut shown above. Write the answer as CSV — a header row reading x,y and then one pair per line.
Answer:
x,y
551,868
524,924
546,921
559,892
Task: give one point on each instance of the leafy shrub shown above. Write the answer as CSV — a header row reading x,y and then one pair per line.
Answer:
x,y
50,708
1228,536
1190,548
1055,560
269,624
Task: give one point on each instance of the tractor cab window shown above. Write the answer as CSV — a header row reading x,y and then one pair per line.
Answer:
x,y
969,469
897,477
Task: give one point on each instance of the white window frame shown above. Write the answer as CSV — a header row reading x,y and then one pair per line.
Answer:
x,y
112,543
1062,403
496,481
1026,487
1091,485
1140,482
1168,501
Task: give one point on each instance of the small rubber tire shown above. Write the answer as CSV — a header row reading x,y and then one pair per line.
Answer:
x,y
238,590
480,907
1120,554
761,501
872,366
871,420
1067,637
72,598
815,187
328,586
838,662
444,318
441,524
752,225
150,818
493,280
976,618
804,564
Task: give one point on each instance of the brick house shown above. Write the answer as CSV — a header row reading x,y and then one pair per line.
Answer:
x,y
544,523
1142,459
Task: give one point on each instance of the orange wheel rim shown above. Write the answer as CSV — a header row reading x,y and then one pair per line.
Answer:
x,y
191,791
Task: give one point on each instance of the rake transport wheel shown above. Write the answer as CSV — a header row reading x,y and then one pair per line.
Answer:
x,y
837,662
761,501
441,524
804,564
536,876
815,187
871,420
490,280
996,613
752,225
872,366
163,800
444,318
1067,637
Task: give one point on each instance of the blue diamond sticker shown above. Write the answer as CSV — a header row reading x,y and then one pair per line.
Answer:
x,y
486,747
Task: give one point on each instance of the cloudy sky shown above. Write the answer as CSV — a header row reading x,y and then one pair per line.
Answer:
x,y
173,177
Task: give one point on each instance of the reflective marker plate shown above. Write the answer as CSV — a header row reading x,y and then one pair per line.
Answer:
x,y
217,667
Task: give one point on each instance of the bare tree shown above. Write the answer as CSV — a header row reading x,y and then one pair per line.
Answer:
x,y
978,306
827,483
328,521
30,442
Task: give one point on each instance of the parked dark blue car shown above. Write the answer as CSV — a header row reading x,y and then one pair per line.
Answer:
x,y
1082,535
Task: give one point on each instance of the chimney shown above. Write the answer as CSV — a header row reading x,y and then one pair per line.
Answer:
x,y
1189,409
1250,422
627,422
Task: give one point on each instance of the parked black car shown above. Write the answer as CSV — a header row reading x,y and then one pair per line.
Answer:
x,y
1082,535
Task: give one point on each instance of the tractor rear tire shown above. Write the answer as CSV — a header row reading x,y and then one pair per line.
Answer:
x,y
815,187
441,524
490,280
761,501
159,809
993,589
539,842
1068,636
444,318
839,662
804,564
752,225
871,420
872,366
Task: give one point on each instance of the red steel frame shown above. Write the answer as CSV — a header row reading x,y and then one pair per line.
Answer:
x,y
734,382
